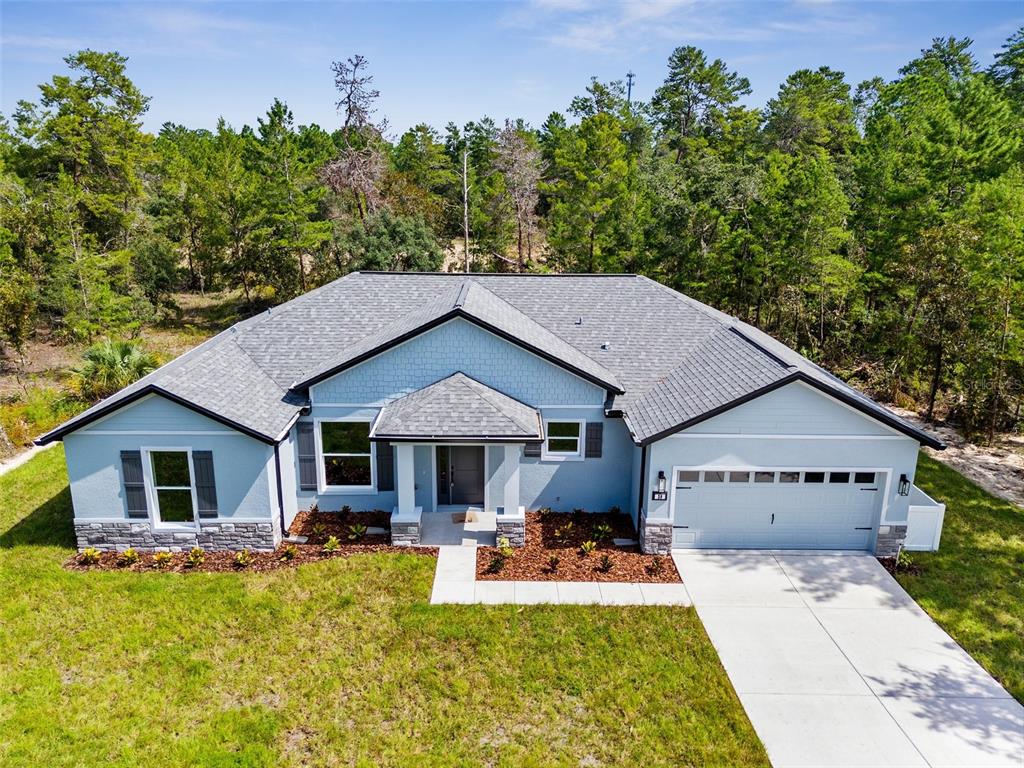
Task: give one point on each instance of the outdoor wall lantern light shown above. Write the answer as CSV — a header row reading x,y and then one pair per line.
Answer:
x,y
662,493
904,487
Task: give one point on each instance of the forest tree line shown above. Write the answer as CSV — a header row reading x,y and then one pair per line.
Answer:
x,y
877,228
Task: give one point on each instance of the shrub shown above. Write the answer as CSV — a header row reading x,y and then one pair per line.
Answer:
x,y
243,559
346,510
89,556
587,547
553,562
110,366
605,565
602,531
579,511
356,531
289,551
616,510
129,557
903,560
657,566
504,548
196,557
332,544
319,529
162,559
496,564
563,531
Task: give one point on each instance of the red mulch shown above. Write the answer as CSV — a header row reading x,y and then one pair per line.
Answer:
x,y
318,526
531,563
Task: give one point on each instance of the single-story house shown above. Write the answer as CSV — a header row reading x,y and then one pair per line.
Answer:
x,y
412,393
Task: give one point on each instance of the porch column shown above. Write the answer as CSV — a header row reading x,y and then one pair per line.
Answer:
x,y
405,519
406,478
511,523
511,495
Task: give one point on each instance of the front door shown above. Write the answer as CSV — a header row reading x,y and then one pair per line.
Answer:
x,y
460,474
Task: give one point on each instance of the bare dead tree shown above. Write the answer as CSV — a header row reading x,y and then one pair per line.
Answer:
x,y
520,163
357,95
465,204
358,172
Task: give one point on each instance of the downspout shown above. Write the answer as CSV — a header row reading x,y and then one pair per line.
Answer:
x,y
642,484
280,491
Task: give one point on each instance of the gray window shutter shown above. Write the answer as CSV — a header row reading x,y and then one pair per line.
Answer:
x,y
532,450
385,467
206,487
307,456
134,484
595,435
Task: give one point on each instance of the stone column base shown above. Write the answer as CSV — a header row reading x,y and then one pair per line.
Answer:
x,y
656,537
405,530
890,540
219,535
512,527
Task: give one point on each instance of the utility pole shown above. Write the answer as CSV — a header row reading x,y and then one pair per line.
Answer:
x,y
629,88
465,204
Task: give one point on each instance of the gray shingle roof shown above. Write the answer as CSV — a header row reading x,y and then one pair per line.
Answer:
x,y
458,408
666,359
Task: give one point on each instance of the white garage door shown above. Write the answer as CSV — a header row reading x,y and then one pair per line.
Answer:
x,y
776,509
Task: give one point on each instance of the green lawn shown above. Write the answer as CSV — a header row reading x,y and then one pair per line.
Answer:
x,y
974,585
337,663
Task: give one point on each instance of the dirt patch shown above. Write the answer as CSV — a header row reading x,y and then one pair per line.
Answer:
x,y
893,567
558,535
998,468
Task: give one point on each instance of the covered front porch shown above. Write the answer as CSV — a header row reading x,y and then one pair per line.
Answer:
x,y
458,446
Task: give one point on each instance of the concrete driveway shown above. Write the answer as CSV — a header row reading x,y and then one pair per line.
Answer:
x,y
837,666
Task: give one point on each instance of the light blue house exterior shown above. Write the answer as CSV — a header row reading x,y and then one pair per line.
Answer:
x,y
415,394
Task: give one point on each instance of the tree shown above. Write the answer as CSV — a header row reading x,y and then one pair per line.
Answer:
x,y
353,82
519,161
390,242
1008,69
697,100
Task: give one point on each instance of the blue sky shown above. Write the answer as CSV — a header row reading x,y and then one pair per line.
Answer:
x,y
440,61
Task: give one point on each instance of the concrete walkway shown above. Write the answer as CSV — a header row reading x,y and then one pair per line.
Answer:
x,y
455,582
837,666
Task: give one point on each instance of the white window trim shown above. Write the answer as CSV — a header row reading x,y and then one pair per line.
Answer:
x,y
151,488
321,475
546,455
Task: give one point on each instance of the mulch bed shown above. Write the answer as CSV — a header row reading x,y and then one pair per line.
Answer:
x,y
562,535
889,563
318,526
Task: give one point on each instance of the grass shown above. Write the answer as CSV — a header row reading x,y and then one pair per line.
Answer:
x,y
335,663
974,585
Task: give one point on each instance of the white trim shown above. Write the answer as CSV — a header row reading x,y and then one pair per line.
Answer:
x,y
546,455
203,520
446,322
368,406
321,478
572,407
152,497
223,432
752,436
887,471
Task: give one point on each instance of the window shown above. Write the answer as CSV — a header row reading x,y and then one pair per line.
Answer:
x,y
789,477
839,477
564,439
814,477
739,477
764,477
172,486
688,476
864,477
714,477
347,454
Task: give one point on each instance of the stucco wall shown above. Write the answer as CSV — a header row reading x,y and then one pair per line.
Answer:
x,y
240,463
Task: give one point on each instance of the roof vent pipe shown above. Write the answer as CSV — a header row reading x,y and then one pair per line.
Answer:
x,y
606,345
579,321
